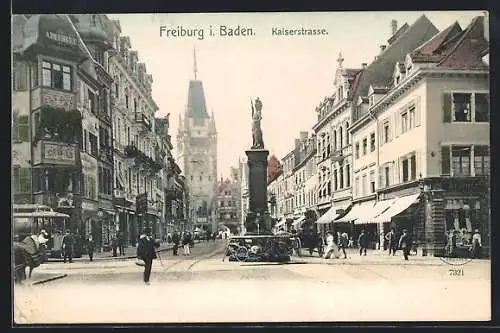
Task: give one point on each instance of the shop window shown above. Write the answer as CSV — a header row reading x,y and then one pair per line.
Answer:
x,y
482,107
56,76
356,150
21,180
460,160
481,160
21,129
365,146
372,142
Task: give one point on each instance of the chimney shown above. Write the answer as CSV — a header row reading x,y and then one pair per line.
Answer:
x,y
394,27
382,48
364,65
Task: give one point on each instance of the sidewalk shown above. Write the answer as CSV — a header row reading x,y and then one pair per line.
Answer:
x,y
377,257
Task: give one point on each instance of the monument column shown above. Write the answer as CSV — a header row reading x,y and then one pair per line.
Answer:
x,y
258,215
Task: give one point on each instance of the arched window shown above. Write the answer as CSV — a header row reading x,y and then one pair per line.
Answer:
x,y
341,137
335,140
117,86
347,133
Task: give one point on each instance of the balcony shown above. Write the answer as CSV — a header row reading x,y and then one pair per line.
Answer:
x,y
141,119
131,151
41,96
55,153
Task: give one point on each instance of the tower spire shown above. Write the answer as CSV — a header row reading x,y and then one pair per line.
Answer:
x,y
195,69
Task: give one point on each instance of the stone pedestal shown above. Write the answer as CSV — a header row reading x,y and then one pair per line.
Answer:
x,y
258,220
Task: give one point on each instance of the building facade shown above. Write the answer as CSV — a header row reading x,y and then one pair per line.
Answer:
x,y
229,203
429,171
197,153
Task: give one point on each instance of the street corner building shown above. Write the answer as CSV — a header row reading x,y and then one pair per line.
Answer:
x,y
85,138
229,202
197,155
401,143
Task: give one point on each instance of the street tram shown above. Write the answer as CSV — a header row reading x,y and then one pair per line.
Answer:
x,y
30,219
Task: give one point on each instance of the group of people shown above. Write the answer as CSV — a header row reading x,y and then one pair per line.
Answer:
x,y
335,246
465,239
184,239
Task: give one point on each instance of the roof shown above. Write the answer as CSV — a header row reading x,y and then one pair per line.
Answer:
x,y
398,33
93,27
197,107
379,72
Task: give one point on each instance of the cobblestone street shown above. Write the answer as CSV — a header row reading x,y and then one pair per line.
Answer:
x,y
203,288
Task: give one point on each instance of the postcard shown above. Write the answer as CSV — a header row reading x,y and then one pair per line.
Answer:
x,y
251,167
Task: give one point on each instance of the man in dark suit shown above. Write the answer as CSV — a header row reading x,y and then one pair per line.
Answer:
x,y
146,251
390,237
68,242
176,240
362,242
404,244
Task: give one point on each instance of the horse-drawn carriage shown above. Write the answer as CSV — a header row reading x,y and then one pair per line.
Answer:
x,y
310,240
259,248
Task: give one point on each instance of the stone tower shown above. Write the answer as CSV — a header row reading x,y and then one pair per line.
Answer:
x,y
197,153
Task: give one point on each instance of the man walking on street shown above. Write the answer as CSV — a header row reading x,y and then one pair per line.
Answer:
x,y
186,242
121,244
68,242
90,247
362,242
175,240
404,244
390,237
476,244
343,242
146,251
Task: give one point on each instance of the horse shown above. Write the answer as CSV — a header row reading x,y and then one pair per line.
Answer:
x,y
27,254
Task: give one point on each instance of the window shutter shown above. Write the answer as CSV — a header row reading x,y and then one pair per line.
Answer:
x,y
445,160
446,107
418,112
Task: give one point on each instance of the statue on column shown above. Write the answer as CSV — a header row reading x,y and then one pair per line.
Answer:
x,y
257,141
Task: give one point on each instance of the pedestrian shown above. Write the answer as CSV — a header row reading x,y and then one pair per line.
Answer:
x,y
186,241
362,242
390,237
119,242
175,240
90,247
452,243
344,242
331,248
114,246
68,242
146,251
404,244
476,244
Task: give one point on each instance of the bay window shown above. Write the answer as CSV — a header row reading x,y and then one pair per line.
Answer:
x,y
57,76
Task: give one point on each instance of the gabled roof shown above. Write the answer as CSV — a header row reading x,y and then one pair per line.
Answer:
x,y
197,107
398,33
379,72
456,48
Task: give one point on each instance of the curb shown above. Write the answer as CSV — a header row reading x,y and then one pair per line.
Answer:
x,y
129,256
57,277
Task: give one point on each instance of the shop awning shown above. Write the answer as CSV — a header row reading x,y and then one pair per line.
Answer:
x,y
400,205
358,211
328,217
299,221
369,215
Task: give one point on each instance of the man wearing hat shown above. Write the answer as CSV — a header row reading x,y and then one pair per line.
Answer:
x,y
146,251
404,244
68,242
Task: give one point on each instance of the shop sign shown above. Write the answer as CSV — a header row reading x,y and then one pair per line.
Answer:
x,y
61,38
59,153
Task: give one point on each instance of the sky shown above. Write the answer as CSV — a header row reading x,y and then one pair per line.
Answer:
x,y
290,74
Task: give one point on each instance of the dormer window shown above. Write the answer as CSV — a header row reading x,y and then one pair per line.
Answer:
x,y
340,93
397,79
